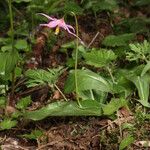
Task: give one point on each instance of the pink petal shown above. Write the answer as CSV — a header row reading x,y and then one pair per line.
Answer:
x,y
50,18
44,25
73,33
71,27
53,24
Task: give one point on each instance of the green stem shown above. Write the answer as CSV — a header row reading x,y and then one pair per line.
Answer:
x,y
76,60
12,42
109,70
11,23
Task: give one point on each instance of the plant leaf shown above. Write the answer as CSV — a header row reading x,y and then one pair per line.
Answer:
x,y
126,142
89,108
142,85
87,80
7,124
34,135
23,103
40,76
105,5
113,106
118,40
8,61
99,58
146,68
21,44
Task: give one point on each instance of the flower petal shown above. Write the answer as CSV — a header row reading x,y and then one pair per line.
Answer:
x,y
71,27
53,24
44,25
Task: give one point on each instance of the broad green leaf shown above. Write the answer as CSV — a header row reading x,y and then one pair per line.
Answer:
x,y
118,40
7,124
99,58
2,63
11,61
126,142
23,103
6,48
34,135
113,106
142,85
87,80
97,95
8,62
21,44
146,68
63,108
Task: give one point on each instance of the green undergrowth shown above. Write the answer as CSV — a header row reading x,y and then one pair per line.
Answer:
x,y
105,79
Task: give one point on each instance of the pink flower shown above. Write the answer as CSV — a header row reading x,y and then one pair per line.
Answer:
x,y
59,23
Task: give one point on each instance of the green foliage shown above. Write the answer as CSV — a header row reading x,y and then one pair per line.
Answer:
x,y
140,25
99,58
61,108
87,80
97,5
113,106
126,142
2,102
105,5
42,77
23,103
34,135
141,2
146,68
142,85
21,45
7,124
53,6
139,51
8,61
118,40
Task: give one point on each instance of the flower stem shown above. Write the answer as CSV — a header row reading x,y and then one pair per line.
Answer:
x,y
12,43
109,70
76,60
11,24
